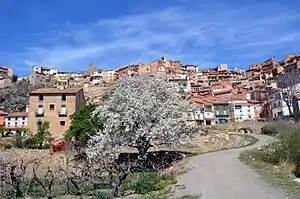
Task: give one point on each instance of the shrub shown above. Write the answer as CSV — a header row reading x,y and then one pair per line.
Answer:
x,y
31,143
100,194
6,145
286,147
269,129
143,183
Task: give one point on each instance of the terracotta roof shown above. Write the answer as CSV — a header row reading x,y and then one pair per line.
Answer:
x,y
56,91
18,114
254,101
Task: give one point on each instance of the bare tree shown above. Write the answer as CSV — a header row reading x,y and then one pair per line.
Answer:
x,y
47,181
17,176
288,84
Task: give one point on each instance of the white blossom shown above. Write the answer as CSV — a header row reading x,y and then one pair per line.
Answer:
x,y
143,112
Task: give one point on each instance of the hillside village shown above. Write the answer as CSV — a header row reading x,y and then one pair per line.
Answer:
x,y
222,95
51,116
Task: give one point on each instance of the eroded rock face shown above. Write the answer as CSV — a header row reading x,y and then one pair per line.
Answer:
x,y
15,98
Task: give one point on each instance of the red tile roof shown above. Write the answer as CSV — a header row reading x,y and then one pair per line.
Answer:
x,y
56,91
18,114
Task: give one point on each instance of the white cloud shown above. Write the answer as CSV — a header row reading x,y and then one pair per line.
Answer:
x,y
207,33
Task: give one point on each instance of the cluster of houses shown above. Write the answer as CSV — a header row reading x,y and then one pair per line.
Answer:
x,y
221,95
41,76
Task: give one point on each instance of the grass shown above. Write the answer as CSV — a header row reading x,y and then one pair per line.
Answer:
x,y
275,175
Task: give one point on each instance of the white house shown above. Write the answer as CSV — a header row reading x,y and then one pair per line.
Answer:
x,y
109,75
14,122
279,106
241,110
203,115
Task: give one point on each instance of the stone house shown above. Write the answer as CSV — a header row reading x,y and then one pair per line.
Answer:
x,y
5,82
38,79
54,105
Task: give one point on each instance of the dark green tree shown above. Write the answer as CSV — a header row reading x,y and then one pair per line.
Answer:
x,y
14,78
83,125
43,134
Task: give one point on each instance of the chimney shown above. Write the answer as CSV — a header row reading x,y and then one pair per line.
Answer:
x,y
27,107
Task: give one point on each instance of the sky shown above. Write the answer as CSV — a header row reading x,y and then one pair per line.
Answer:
x,y
70,34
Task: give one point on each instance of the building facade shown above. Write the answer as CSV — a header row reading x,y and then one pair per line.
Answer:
x,y
241,111
5,82
14,122
37,79
55,106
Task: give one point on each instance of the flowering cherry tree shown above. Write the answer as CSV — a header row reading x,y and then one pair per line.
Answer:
x,y
143,112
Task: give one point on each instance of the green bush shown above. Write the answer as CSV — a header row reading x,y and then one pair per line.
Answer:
x,y
31,143
286,147
6,145
100,194
269,129
143,183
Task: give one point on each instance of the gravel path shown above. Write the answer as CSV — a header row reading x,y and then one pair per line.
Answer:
x,y
221,175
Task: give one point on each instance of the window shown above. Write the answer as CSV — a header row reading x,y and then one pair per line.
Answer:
x,y
63,106
51,107
8,118
40,106
17,118
64,97
41,97
238,107
39,122
23,118
62,123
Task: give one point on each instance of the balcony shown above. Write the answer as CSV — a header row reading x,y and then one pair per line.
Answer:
x,y
222,113
39,113
62,113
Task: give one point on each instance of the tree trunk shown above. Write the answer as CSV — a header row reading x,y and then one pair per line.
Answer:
x,y
289,107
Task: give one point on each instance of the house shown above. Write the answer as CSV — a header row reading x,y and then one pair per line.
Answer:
x,y
62,79
222,110
5,82
54,105
14,122
204,114
6,71
38,79
241,110
279,107
109,76
180,84
45,70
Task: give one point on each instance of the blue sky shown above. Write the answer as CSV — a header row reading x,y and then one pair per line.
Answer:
x,y
69,34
